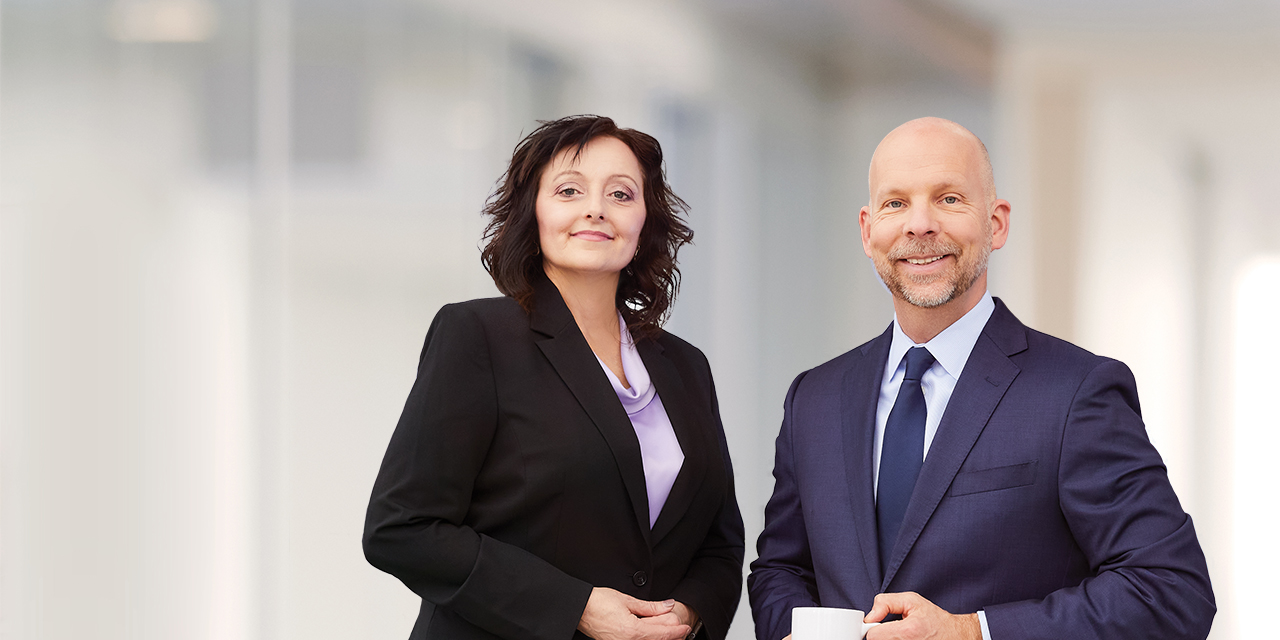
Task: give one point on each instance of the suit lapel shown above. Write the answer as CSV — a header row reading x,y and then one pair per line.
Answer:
x,y
987,376
694,442
568,352
859,394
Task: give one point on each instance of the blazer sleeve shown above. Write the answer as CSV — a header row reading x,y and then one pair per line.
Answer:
x,y
1150,578
782,577
713,584
414,527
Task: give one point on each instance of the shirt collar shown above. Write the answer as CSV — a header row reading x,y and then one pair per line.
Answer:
x,y
642,391
952,347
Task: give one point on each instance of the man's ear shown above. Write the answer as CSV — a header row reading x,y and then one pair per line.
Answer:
x,y
864,225
999,223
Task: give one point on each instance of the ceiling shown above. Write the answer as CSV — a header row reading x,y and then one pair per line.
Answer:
x,y
956,39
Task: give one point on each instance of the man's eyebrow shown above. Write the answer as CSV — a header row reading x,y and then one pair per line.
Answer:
x,y
888,193
942,186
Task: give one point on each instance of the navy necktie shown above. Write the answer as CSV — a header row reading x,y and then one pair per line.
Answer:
x,y
902,453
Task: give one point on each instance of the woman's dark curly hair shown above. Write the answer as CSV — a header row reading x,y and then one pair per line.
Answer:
x,y
511,254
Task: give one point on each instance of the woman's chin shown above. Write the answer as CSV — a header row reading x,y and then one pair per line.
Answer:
x,y
587,268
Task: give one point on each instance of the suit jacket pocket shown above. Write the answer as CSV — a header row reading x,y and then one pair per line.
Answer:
x,y
982,480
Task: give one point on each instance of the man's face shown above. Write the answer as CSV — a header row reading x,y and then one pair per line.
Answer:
x,y
929,227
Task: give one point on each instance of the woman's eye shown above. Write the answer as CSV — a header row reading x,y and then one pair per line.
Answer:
x,y
569,191
621,195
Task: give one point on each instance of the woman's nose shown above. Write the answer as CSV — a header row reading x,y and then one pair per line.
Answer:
x,y
595,207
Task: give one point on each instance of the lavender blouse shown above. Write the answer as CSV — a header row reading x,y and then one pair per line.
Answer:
x,y
659,449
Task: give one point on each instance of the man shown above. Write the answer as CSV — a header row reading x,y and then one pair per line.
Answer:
x,y
975,477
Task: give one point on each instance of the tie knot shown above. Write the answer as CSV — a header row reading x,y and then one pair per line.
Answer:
x,y
918,361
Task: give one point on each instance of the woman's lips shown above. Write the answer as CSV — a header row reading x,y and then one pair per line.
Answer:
x,y
594,236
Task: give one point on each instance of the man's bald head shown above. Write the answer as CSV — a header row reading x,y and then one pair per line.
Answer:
x,y
923,130
932,221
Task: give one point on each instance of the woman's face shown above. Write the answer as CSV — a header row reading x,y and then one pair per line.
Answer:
x,y
590,210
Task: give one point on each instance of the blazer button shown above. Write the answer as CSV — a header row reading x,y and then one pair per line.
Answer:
x,y
639,578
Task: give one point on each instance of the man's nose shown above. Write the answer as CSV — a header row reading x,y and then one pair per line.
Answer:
x,y
922,220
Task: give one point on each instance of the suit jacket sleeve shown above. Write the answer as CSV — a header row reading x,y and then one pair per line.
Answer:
x,y
782,576
414,528
713,584
1150,576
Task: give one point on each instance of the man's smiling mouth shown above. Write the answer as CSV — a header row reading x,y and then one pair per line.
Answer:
x,y
924,260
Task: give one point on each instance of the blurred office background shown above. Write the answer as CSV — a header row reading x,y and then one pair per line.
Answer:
x,y
225,226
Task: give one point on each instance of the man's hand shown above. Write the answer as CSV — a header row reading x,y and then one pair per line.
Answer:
x,y
613,615
921,620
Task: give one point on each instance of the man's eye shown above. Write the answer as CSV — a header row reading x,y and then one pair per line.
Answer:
x,y
895,204
951,200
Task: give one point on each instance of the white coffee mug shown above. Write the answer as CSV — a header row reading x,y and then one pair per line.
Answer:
x,y
828,623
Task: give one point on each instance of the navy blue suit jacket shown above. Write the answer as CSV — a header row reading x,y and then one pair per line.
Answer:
x,y
1041,500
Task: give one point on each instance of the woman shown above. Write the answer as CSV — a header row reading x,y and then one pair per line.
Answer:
x,y
560,463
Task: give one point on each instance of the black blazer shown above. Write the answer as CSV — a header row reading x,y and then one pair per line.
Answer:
x,y
513,483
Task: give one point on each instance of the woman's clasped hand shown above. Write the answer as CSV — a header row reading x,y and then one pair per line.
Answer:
x,y
612,615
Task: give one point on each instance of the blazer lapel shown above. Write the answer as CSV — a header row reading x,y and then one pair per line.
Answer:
x,y
859,395
696,443
987,376
571,356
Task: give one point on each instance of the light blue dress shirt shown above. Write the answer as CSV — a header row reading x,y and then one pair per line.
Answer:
x,y
951,350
